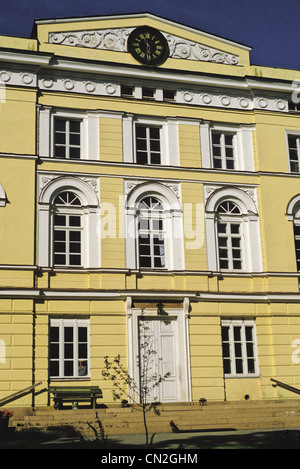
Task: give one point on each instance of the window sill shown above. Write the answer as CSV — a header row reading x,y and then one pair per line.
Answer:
x,y
252,375
70,378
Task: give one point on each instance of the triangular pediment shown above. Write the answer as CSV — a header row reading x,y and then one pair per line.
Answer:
x,y
98,37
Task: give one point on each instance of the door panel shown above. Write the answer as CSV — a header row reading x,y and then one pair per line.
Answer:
x,y
158,357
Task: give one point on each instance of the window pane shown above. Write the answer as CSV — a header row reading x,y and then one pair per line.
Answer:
x,y
59,259
140,131
54,334
75,235
74,220
154,133
239,366
225,333
59,138
75,247
216,138
145,261
82,351
226,350
141,157
248,332
68,368
59,247
75,126
68,350
75,259
54,368
74,153
223,264
227,366
251,365
60,152
82,334
237,333
59,220
159,262
54,350
155,158
60,125
68,334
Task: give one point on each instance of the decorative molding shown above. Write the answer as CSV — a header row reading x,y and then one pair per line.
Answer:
x,y
129,185
210,189
116,40
45,179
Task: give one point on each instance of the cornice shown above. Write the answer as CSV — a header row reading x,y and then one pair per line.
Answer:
x,y
105,79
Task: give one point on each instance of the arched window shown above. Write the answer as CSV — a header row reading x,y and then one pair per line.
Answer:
x,y
153,228
232,231
69,223
293,214
151,233
229,233
67,230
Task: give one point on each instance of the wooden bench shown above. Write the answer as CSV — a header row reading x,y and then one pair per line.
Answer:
x,y
74,394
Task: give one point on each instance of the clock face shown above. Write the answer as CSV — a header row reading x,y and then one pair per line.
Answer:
x,y
148,46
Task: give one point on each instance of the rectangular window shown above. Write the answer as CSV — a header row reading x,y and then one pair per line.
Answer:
x,y
230,246
297,244
148,144
294,152
127,91
294,107
239,348
168,95
67,138
69,348
223,150
148,93
67,240
151,243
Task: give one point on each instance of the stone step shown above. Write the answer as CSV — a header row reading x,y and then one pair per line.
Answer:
x,y
246,415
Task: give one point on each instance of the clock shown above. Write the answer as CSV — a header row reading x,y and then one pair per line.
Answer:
x,y
148,46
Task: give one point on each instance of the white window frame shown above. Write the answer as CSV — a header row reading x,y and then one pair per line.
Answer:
x,y
68,211
228,220
293,214
169,147
89,138
291,133
67,145
243,145
75,324
244,355
174,249
91,244
223,158
252,256
151,216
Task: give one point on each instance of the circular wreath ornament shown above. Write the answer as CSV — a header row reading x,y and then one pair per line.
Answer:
x,y
148,46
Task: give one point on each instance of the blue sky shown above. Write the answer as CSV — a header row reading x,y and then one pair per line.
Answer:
x,y
270,27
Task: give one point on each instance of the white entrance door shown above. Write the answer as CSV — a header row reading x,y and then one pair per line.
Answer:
x,y
157,358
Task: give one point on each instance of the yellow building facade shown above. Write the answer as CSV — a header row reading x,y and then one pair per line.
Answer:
x,y
149,175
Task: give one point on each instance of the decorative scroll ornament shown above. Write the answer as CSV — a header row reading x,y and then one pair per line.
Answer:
x,y
116,40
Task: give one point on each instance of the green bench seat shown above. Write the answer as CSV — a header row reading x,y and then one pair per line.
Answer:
x,y
75,394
